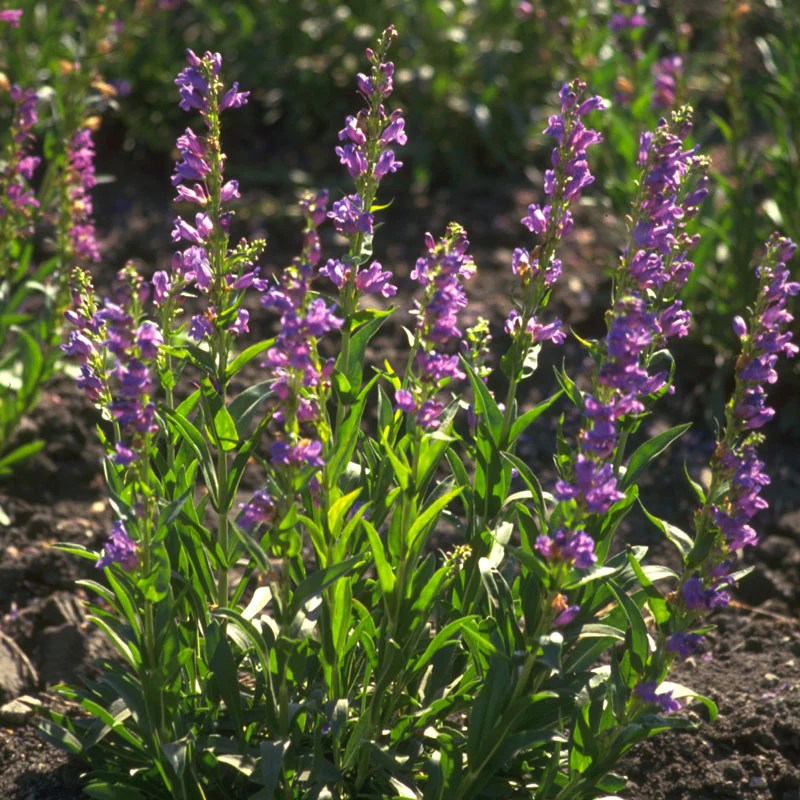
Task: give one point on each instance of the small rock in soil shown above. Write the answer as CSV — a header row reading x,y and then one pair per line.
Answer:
x,y
19,711
17,675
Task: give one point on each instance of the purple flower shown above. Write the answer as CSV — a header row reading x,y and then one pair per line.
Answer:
x,y
404,401
428,415
647,692
90,383
386,163
441,273
697,596
595,486
566,616
572,547
162,285
305,452
193,266
120,549
201,327
666,72
685,644
348,217
124,455
198,234
149,340
233,98
375,281
259,510
353,158
622,22
17,166
12,16
536,219
563,184
240,325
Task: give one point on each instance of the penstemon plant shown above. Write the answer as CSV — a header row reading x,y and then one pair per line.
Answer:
x,y
55,207
306,639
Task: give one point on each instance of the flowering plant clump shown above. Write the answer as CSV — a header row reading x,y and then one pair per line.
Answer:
x,y
304,639
44,199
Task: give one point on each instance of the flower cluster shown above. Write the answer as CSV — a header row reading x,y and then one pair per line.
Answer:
x,y
259,510
575,549
666,74
119,549
299,373
124,384
627,16
647,693
368,154
367,136
737,473
736,458
645,313
79,182
441,273
17,200
199,180
538,269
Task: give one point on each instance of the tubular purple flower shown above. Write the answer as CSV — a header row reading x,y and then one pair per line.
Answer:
x,y
647,692
120,549
348,217
259,510
570,547
404,401
684,644
666,73
566,616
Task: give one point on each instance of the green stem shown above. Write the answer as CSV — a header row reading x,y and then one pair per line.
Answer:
x,y
497,736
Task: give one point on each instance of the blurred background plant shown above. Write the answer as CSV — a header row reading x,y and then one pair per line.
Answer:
x,y
51,95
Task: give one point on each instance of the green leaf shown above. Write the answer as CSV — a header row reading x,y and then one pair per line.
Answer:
x,y
401,469
656,601
645,453
338,511
486,710
33,370
244,406
568,386
225,429
347,436
485,404
189,433
223,665
679,538
428,516
532,482
19,454
247,355
100,790
523,422
353,370
318,581
637,631
698,489
679,690
386,575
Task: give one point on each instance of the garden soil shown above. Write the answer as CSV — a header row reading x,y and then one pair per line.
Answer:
x,y
752,668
